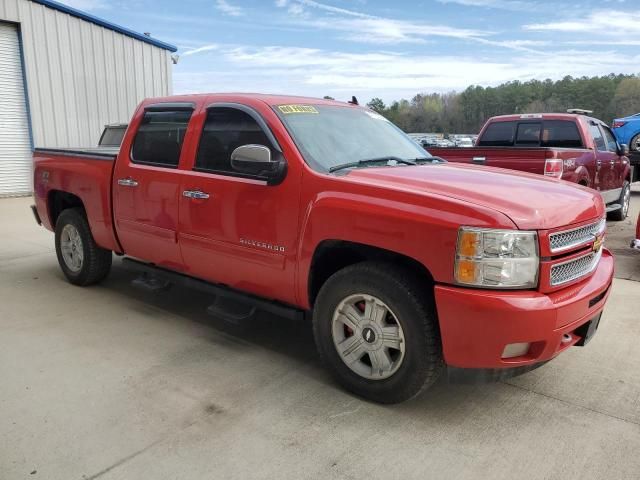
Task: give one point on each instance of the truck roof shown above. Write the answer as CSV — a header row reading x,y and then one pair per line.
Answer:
x,y
269,99
544,116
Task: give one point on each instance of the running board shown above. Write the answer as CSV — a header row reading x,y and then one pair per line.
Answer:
x,y
229,303
612,207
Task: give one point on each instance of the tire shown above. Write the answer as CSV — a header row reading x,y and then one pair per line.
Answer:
x,y
624,201
410,313
634,144
81,260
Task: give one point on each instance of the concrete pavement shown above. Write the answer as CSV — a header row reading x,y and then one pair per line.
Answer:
x,y
108,382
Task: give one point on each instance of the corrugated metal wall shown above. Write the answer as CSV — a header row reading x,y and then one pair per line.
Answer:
x,y
81,76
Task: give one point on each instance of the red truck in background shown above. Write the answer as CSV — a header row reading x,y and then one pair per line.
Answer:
x,y
569,146
408,264
635,243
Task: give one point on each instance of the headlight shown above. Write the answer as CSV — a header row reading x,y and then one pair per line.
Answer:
x,y
497,258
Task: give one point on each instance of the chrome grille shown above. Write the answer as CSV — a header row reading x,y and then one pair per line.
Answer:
x,y
575,237
573,269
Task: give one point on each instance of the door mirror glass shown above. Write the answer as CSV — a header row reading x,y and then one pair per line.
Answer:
x,y
256,160
624,149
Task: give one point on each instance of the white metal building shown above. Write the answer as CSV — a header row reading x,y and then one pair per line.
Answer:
x,y
64,74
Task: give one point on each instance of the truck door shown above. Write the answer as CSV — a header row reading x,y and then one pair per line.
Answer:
x,y
605,161
614,148
146,185
234,229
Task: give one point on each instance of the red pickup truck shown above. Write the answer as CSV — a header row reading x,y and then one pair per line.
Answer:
x,y
573,147
408,264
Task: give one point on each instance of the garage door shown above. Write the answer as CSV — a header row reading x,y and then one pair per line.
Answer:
x,y
15,145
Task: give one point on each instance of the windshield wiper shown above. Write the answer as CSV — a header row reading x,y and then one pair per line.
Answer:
x,y
366,161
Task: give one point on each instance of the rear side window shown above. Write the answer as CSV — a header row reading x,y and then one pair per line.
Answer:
x,y
498,134
159,138
597,137
112,136
560,134
225,130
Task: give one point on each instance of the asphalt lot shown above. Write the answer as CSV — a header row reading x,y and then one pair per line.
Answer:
x,y
109,382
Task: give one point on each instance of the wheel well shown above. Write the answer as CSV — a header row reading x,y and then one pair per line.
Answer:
x,y
584,182
59,201
333,255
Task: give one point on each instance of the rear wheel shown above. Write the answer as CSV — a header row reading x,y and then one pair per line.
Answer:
x,y
634,145
624,201
82,261
376,330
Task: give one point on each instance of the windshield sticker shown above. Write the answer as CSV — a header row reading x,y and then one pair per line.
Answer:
x,y
286,109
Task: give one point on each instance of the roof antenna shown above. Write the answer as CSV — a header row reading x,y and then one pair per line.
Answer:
x,y
354,100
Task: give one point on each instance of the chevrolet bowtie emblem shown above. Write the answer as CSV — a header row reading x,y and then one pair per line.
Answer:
x,y
597,244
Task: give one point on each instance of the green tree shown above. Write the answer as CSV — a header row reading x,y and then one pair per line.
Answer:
x,y
377,105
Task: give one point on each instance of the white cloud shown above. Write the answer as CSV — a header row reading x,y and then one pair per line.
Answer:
x,y
361,27
599,23
225,7
318,72
203,48
515,5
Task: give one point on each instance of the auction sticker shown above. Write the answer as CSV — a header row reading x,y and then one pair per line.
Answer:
x,y
286,109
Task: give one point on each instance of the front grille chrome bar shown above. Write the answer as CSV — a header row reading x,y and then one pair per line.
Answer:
x,y
570,239
575,268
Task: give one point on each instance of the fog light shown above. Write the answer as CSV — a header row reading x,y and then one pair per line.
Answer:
x,y
515,350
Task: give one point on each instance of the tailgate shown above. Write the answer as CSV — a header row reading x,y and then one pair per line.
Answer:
x,y
459,154
529,160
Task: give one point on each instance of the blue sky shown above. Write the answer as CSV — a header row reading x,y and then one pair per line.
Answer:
x,y
381,49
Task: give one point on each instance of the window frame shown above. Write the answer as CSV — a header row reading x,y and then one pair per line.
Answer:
x,y
538,122
599,128
162,107
257,117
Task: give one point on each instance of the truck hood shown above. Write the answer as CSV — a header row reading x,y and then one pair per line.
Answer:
x,y
532,202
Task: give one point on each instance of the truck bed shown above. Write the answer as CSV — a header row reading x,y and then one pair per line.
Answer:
x,y
101,153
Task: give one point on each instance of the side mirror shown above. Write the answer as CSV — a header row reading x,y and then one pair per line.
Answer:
x,y
256,161
624,149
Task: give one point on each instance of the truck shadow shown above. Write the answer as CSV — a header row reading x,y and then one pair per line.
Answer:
x,y
289,338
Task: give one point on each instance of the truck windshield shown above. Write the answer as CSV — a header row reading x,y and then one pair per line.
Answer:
x,y
330,136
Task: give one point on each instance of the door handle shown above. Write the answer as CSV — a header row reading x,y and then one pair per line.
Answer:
x,y
612,162
127,182
479,160
195,194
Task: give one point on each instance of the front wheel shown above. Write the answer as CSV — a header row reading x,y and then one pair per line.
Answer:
x,y
624,201
82,261
634,144
376,330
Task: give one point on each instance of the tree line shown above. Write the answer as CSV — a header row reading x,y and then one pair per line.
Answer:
x,y
610,96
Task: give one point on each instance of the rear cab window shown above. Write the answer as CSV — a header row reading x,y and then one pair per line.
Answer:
x,y
527,133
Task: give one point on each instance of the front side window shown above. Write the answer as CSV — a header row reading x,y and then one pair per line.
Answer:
x,y
333,135
225,130
610,140
597,137
159,138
